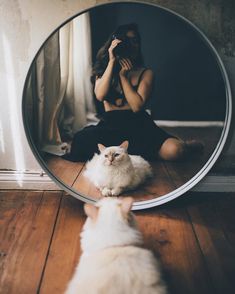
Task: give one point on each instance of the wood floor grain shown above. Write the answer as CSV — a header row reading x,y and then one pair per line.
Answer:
x,y
65,247
168,232
214,225
193,237
26,226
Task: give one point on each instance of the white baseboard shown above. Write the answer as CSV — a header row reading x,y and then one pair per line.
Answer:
x,y
216,183
195,124
26,181
40,181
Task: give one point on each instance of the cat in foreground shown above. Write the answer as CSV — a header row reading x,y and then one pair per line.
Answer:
x,y
114,171
113,260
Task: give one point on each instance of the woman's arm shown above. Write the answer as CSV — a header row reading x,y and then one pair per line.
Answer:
x,y
102,84
135,99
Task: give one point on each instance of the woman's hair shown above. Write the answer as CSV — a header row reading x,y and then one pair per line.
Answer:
x,y
102,57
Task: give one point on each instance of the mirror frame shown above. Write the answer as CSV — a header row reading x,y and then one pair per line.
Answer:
x,y
198,176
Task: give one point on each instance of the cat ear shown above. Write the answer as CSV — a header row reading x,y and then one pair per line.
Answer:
x,y
124,145
126,204
91,210
101,147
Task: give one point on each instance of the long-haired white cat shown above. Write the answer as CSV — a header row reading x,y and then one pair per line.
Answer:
x,y
112,260
114,171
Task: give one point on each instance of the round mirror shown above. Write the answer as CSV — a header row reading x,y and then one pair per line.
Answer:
x,y
175,75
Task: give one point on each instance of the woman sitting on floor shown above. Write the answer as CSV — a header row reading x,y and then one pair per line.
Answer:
x,y
123,85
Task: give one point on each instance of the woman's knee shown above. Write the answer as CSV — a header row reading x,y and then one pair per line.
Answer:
x,y
172,149
83,145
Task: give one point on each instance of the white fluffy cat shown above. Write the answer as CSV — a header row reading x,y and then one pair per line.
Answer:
x,y
114,171
113,261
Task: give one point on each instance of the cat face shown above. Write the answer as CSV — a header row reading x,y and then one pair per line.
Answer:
x,y
115,155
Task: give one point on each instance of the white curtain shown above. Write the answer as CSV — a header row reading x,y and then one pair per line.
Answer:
x,y
63,95
75,60
48,97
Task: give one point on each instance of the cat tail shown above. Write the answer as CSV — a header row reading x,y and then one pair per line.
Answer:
x,y
142,168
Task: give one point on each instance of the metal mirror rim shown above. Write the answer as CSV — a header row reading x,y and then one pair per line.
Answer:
x,y
198,176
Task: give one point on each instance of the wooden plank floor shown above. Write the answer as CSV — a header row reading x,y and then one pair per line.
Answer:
x,y
167,175
192,236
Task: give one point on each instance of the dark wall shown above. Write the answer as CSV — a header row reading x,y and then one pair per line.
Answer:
x,y
188,82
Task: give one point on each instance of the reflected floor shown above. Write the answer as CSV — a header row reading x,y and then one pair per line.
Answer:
x,y
168,176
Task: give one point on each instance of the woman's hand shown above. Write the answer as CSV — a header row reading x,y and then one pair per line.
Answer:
x,y
113,45
126,66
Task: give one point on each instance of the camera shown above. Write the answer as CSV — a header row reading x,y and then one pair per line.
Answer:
x,y
123,49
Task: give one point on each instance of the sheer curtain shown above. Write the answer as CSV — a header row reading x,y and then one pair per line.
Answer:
x,y
75,60
63,97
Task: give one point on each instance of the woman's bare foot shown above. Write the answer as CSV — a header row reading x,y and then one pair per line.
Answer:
x,y
194,147
174,149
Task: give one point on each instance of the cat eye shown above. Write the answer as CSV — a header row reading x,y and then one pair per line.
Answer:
x,y
116,154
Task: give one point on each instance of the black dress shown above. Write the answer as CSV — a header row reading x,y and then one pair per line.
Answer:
x,y
144,136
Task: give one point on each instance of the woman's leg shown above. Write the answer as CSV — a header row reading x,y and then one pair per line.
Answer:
x,y
82,147
175,149
85,141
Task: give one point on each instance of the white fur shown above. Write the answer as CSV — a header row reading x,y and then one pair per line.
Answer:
x,y
112,262
126,172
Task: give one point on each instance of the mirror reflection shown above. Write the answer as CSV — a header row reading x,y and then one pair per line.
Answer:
x,y
144,81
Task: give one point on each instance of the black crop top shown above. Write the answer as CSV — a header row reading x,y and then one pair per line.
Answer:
x,y
114,94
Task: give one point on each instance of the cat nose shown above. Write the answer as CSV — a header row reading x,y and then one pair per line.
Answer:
x,y
110,160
